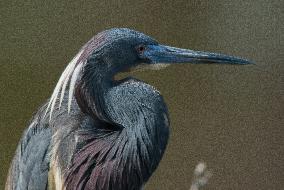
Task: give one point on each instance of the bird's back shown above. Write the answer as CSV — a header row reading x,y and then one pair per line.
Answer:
x,y
35,164
30,165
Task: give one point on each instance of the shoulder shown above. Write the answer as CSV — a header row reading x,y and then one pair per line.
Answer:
x,y
134,86
136,92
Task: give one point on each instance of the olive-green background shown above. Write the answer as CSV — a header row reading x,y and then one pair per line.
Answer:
x,y
231,117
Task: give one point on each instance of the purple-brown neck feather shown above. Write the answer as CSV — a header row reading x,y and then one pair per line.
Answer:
x,y
99,165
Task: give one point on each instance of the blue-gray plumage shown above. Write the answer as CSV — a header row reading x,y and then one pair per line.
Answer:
x,y
96,132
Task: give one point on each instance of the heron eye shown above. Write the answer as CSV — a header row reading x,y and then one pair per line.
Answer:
x,y
141,48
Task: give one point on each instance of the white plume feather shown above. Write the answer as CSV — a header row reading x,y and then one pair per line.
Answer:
x,y
62,83
72,84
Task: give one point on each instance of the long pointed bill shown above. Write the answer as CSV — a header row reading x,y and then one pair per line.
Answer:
x,y
167,54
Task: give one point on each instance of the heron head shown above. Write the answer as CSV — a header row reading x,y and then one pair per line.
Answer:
x,y
121,49
118,49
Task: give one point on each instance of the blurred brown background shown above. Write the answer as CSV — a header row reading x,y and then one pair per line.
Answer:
x,y
228,116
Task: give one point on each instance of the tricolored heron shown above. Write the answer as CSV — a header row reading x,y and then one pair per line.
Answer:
x,y
96,132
